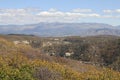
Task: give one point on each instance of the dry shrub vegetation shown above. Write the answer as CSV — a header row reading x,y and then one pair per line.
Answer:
x,y
21,62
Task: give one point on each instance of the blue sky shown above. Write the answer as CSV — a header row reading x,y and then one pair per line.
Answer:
x,y
100,11
64,5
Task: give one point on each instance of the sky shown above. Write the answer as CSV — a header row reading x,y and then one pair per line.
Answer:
x,y
70,11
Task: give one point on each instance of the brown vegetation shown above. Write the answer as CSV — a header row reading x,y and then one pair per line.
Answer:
x,y
23,62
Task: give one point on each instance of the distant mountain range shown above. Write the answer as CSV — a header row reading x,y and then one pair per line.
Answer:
x,y
62,29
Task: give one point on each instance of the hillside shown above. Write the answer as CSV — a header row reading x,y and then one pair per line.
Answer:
x,y
16,60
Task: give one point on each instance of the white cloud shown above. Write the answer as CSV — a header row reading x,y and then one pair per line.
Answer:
x,y
52,10
107,11
111,11
117,10
59,16
33,15
109,16
78,10
66,14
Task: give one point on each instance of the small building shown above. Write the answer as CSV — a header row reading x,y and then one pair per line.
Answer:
x,y
68,54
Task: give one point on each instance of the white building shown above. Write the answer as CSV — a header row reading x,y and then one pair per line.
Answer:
x,y
68,54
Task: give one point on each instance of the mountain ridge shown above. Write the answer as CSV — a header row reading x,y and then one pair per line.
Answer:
x,y
62,29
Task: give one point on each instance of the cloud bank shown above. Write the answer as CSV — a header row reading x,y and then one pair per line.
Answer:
x,y
111,11
33,15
